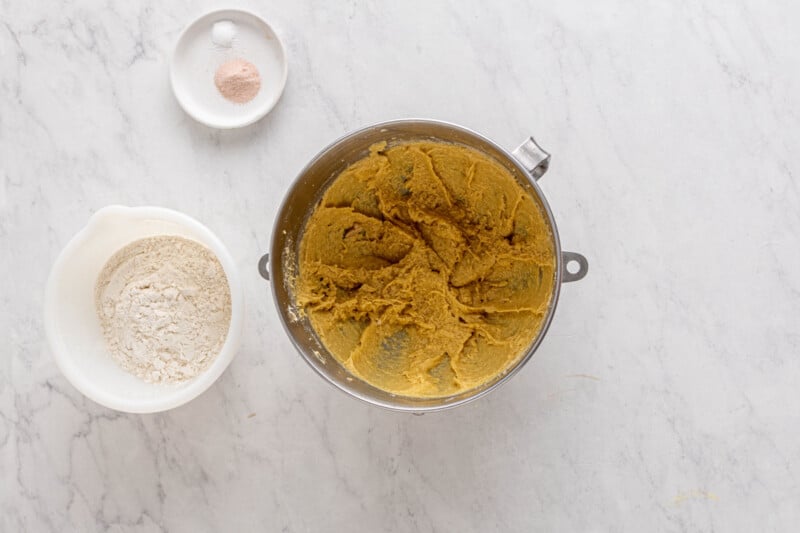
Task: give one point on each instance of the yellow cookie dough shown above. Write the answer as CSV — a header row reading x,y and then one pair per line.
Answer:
x,y
426,269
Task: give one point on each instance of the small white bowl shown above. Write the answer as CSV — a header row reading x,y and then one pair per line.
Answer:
x,y
73,327
196,59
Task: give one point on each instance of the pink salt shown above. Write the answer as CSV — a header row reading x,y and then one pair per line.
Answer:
x,y
238,81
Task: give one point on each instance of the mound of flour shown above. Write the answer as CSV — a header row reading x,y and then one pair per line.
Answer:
x,y
165,307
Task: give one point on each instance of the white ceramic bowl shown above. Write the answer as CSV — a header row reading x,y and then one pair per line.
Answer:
x,y
196,59
73,327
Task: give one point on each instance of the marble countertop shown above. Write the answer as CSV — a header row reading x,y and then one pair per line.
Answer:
x,y
665,396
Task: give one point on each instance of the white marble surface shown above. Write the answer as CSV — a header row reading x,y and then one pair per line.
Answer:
x,y
665,397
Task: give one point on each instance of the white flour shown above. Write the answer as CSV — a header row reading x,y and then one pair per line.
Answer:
x,y
165,307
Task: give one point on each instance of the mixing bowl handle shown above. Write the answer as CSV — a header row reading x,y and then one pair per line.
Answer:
x,y
573,257
533,157
263,263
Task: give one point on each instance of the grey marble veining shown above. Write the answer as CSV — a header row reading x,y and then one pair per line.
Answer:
x,y
665,396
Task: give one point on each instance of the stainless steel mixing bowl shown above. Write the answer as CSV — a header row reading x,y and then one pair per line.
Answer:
x,y
527,163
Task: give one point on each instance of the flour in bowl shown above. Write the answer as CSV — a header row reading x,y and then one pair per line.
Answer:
x,y
165,306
